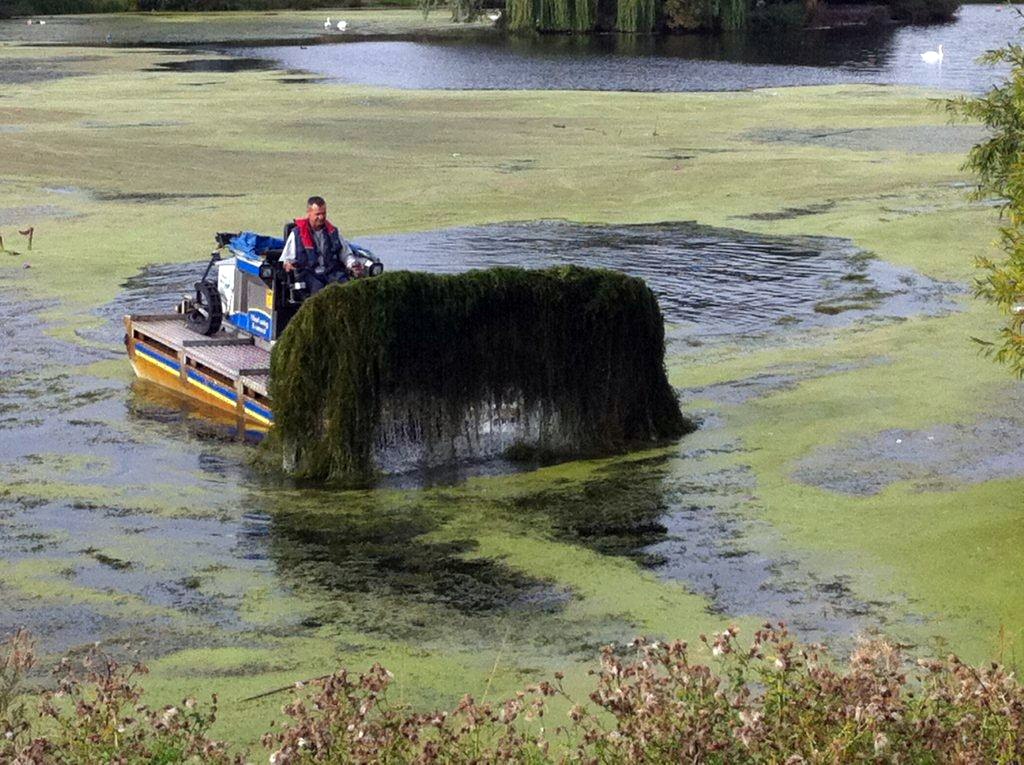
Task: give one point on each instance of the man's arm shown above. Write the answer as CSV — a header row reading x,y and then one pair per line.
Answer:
x,y
346,248
287,258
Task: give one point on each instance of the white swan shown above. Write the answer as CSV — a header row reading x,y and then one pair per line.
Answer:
x,y
494,16
342,26
932,57
327,24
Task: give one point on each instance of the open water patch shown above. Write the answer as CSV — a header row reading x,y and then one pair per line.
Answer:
x,y
18,71
710,282
755,58
939,458
716,282
906,139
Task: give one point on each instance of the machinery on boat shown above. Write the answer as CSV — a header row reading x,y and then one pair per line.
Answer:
x,y
216,346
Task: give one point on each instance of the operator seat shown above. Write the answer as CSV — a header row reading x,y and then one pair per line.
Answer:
x,y
296,290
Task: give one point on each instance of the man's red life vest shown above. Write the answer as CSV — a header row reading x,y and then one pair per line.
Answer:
x,y
306,255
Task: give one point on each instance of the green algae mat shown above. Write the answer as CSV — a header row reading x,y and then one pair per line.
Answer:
x,y
873,468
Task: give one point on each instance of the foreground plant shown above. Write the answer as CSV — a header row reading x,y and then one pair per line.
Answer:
x,y
95,715
773,701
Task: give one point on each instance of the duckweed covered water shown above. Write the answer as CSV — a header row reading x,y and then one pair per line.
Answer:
x,y
126,506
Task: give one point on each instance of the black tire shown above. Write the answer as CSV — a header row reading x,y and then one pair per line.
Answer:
x,y
206,314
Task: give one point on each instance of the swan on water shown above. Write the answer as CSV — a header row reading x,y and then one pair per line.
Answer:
x,y
327,24
342,26
931,56
494,15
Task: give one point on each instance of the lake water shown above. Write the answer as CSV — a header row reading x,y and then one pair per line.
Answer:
x,y
710,282
147,477
680,63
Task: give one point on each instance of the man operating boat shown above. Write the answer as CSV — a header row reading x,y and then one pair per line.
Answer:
x,y
315,250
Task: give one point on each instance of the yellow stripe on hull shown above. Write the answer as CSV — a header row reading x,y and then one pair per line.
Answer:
x,y
258,417
206,391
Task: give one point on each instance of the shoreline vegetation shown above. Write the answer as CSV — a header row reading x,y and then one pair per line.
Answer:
x,y
562,16
997,164
648,702
712,16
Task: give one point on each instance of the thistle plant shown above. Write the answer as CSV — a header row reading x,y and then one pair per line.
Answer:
x,y
771,701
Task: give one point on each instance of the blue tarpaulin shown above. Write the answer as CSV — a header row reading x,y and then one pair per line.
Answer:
x,y
249,244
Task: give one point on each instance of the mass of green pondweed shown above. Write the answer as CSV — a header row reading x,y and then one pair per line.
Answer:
x,y
583,349
773,701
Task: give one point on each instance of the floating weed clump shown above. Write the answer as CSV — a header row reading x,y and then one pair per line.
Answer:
x,y
411,369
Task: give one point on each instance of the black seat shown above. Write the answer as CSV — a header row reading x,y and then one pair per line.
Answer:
x,y
295,295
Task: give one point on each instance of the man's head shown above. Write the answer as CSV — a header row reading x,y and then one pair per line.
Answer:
x,y
316,212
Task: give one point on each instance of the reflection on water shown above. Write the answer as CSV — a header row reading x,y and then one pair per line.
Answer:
x,y
889,55
682,524
212,65
374,555
617,512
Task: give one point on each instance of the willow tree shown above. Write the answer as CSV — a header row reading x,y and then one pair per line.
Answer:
x,y
551,15
636,16
410,369
584,15
519,14
733,14
998,163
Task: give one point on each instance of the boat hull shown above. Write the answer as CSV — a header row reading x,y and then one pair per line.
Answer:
x,y
212,371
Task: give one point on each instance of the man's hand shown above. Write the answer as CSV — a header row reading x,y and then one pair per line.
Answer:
x,y
289,266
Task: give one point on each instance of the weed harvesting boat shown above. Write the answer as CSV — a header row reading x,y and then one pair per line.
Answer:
x,y
215,347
